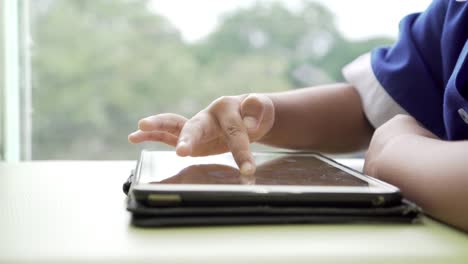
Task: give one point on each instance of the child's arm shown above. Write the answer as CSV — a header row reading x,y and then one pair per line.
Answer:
x,y
326,118
429,171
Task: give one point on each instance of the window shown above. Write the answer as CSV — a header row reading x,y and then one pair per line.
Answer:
x,y
97,66
2,82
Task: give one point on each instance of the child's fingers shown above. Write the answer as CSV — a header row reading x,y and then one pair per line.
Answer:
x,y
201,128
142,136
257,114
170,123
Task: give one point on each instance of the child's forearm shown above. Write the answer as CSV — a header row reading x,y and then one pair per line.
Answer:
x,y
431,172
326,118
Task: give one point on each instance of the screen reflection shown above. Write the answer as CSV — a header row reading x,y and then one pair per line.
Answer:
x,y
285,170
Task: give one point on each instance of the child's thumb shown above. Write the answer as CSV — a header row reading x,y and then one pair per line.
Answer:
x,y
257,114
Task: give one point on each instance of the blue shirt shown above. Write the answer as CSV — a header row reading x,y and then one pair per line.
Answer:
x,y
426,70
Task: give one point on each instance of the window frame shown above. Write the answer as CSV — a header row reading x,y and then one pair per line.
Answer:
x,y
2,67
16,97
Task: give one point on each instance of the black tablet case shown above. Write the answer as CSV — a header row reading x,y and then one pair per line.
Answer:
x,y
147,216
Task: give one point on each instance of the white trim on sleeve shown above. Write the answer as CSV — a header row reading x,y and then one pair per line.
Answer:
x,y
378,106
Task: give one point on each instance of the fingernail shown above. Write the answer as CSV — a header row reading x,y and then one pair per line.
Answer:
x,y
247,168
250,122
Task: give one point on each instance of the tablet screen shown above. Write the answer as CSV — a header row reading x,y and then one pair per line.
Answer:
x,y
272,169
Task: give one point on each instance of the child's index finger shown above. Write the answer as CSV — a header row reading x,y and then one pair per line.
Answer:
x,y
237,139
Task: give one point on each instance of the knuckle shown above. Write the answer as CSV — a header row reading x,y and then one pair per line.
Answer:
x,y
232,125
178,126
221,103
162,124
155,136
232,130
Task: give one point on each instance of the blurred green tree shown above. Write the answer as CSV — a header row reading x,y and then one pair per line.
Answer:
x,y
100,65
307,40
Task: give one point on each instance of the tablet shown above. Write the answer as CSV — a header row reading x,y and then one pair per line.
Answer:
x,y
164,179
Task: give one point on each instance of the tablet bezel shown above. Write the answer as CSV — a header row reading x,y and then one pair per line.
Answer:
x,y
376,193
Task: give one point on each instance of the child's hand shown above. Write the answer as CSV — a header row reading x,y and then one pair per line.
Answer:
x,y
229,123
385,137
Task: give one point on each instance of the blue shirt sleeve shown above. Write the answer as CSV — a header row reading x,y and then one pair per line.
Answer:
x,y
413,70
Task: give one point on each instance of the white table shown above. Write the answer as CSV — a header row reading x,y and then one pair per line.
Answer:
x,y
61,212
